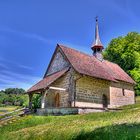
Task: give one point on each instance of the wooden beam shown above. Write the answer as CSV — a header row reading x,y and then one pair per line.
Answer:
x,y
57,88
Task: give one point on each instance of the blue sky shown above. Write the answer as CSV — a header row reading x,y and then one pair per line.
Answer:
x,y
30,30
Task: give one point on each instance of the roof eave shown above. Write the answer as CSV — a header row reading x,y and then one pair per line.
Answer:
x,y
43,89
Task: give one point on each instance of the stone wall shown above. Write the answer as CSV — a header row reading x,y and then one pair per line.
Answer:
x,y
87,104
58,63
62,82
90,91
121,94
57,111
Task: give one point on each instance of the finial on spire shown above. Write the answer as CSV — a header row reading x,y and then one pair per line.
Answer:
x,y
96,18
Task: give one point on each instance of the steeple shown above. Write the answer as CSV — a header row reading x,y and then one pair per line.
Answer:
x,y
97,46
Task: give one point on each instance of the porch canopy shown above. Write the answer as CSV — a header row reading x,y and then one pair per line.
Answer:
x,y
45,82
43,85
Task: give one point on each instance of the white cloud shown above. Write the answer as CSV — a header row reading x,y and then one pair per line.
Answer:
x,y
28,35
14,64
16,80
18,75
25,67
10,78
3,66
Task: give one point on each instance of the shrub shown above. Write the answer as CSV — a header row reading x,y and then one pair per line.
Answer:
x,y
14,99
36,102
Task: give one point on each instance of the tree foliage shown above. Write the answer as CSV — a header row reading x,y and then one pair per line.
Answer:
x,y
125,51
13,96
36,102
14,91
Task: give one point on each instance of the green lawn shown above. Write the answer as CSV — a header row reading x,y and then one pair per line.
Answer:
x,y
122,125
7,109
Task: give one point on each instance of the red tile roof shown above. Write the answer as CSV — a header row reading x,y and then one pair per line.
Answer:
x,y
44,83
89,65
118,73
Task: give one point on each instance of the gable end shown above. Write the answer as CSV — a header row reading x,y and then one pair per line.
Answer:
x,y
57,63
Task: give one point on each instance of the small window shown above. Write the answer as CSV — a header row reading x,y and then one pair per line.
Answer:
x,y
98,49
95,50
123,92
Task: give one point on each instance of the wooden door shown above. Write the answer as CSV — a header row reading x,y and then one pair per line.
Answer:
x,y
57,100
105,102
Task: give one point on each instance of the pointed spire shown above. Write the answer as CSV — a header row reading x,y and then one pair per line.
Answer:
x,y
97,43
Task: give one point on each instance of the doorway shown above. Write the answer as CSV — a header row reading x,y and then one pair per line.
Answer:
x,y
104,101
57,100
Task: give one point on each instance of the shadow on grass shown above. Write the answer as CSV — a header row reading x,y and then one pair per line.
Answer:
x,y
113,132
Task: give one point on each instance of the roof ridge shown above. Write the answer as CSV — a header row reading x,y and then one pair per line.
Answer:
x,y
64,46
60,45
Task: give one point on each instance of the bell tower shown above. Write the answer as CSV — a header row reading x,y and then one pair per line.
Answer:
x,y
97,46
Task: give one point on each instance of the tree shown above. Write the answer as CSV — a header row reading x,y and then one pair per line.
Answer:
x,y
125,51
13,96
3,96
14,91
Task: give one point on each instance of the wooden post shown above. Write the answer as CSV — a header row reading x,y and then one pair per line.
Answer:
x,y
74,91
75,82
71,89
43,100
30,100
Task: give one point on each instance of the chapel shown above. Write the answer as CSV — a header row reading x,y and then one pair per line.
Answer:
x,y
76,79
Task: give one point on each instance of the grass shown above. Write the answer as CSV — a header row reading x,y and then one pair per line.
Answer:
x,y
122,125
7,109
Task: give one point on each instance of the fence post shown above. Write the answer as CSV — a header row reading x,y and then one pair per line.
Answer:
x,y
30,100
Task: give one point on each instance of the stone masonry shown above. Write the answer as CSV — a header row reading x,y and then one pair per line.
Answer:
x,y
58,63
90,91
85,91
121,94
63,82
